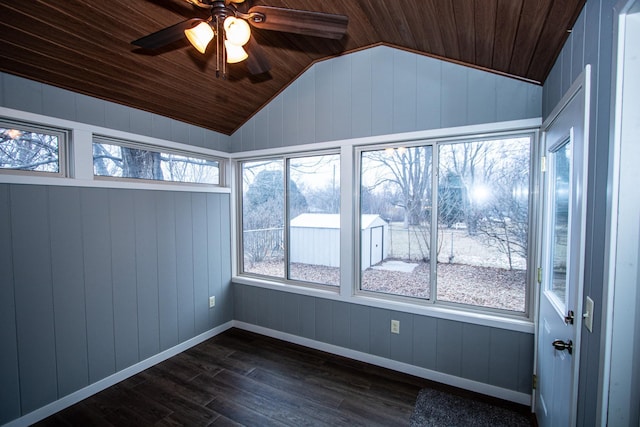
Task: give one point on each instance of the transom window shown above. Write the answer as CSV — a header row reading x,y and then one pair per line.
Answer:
x,y
123,159
34,149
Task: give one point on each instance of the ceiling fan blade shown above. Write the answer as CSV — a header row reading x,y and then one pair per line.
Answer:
x,y
319,24
257,62
167,35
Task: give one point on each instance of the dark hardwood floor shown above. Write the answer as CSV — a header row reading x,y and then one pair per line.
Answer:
x,y
241,378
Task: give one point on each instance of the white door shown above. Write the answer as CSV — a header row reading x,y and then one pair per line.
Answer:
x,y
560,320
376,245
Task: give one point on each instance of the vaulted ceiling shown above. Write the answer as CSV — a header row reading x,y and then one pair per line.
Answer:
x,y
85,46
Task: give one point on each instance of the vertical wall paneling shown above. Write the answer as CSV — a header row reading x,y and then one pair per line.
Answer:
x,y
379,331
146,252
306,106
262,127
324,328
359,327
324,100
381,91
22,94
449,347
60,103
454,95
577,50
33,296
9,373
123,268
428,93
224,243
424,342
526,352
290,313
213,227
341,98
90,110
361,93
200,262
308,317
167,287
290,114
401,345
184,266
404,91
94,280
67,275
482,102
96,233
504,350
30,96
340,334
475,352
276,122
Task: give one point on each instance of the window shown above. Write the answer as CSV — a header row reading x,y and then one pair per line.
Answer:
x,y
28,148
304,193
475,250
119,159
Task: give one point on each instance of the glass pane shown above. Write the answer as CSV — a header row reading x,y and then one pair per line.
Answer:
x,y
29,151
395,220
560,220
314,213
263,217
483,199
124,162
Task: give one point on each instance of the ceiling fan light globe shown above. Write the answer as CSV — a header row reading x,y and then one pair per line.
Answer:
x,y
200,36
235,53
237,30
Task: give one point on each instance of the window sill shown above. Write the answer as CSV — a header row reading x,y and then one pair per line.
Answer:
x,y
514,323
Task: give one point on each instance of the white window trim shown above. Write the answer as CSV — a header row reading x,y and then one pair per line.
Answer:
x,y
349,257
80,158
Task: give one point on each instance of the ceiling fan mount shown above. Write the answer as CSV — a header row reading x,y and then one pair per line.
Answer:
x,y
230,24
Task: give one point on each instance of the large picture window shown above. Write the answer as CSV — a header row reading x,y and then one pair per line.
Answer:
x,y
475,250
121,159
303,193
30,148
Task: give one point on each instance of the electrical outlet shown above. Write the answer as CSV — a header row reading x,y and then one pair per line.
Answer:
x,y
212,301
395,326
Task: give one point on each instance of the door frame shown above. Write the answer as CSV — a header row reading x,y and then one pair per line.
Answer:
x,y
580,87
615,385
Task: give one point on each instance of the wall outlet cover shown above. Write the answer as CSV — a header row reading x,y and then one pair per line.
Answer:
x,y
212,301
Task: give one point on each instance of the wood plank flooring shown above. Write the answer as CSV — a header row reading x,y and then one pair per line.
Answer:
x,y
242,378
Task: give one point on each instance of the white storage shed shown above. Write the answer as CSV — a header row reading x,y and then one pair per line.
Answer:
x,y
315,239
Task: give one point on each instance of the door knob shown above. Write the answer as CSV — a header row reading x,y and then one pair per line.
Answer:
x,y
561,345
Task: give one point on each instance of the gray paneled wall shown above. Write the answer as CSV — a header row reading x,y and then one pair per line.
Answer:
x,y
28,95
493,356
95,280
590,42
381,91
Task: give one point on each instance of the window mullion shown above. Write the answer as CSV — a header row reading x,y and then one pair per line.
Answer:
x,y
433,258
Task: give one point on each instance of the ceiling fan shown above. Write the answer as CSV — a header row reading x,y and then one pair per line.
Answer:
x,y
230,25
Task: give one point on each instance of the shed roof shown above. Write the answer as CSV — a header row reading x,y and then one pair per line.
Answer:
x,y
316,220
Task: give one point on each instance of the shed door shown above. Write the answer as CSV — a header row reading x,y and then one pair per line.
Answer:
x,y
376,245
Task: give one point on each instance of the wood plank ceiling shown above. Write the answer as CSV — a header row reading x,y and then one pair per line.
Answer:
x,y
84,46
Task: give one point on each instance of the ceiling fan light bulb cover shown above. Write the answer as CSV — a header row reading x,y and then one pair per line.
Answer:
x,y
237,30
235,53
200,36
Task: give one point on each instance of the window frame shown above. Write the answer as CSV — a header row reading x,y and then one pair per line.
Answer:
x,y
533,222
64,143
110,140
286,159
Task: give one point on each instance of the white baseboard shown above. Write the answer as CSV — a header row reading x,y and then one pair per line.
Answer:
x,y
77,396
452,380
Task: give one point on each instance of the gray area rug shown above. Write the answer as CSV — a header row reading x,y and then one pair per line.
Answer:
x,y
437,408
